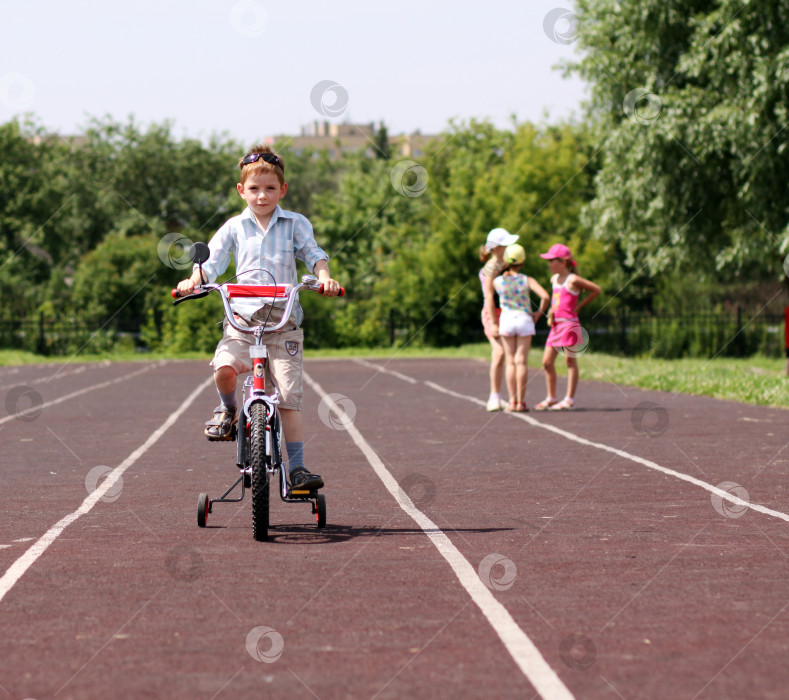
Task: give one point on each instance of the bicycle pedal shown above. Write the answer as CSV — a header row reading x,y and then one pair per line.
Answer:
x,y
228,438
299,492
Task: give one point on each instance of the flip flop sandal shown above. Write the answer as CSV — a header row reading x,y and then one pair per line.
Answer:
x,y
222,426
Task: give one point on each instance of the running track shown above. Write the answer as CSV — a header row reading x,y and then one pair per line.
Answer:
x,y
634,548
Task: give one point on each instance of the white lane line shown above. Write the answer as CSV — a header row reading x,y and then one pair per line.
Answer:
x,y
626,455
48,378
521,648
86,389
383,370
21,565
621,453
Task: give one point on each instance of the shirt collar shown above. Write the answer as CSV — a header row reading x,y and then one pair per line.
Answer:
x,y
278,213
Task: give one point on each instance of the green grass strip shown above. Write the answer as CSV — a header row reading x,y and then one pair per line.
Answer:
x,y
755,380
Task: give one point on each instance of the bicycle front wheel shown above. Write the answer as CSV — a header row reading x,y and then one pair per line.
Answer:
x,y
260,480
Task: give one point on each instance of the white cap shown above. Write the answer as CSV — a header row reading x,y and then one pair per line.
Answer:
x,y
499,236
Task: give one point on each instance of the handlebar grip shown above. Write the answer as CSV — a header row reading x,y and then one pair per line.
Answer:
x,y
341,293
185,297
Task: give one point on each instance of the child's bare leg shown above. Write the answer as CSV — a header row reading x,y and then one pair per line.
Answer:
x,y
225,379
572,375
496,365
548,365
291,425
509,342
522,366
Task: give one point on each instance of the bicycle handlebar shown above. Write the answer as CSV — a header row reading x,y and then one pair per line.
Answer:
x,y
289,292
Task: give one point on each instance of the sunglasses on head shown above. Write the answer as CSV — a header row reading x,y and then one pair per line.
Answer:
x,y
268,157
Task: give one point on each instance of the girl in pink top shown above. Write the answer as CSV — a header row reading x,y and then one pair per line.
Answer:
x,y
566,331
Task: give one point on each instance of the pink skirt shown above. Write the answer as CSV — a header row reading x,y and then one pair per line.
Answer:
x,y
565,333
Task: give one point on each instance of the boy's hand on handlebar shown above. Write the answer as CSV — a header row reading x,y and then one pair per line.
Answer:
x,y
186,287
331,287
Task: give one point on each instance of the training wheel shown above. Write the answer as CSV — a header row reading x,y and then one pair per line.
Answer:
x,y
203,509
320,510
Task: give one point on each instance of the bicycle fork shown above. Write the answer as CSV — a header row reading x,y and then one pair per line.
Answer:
x,y
254,392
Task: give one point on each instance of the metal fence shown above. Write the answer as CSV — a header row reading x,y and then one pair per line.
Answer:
x,y
64,336
691,334
698,334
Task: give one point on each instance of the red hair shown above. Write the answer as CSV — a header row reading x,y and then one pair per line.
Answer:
x,y
260,166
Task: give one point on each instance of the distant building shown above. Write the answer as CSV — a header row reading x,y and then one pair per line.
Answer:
x,y
75,140
338,139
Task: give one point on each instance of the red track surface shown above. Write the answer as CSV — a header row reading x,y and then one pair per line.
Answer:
x,y
628,580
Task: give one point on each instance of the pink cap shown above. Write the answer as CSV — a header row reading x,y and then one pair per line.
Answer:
x,y
559,251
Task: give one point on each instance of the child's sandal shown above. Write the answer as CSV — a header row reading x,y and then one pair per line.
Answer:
x,y
565,404
221,426
545,404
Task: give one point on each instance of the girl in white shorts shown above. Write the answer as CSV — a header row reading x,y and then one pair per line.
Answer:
x,y
516,324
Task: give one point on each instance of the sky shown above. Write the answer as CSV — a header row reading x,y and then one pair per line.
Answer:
x,y
252,69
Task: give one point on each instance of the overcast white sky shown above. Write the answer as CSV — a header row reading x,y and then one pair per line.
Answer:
x,y
250,67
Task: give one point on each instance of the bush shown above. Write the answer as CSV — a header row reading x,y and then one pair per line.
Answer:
x,y
669,340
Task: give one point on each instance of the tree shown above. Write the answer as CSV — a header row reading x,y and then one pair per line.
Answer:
x,y
94,230
33,194
363,226
690,99
309,173
382,148
119,279
531,180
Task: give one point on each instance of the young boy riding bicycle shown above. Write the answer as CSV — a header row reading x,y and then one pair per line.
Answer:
x,y
264,241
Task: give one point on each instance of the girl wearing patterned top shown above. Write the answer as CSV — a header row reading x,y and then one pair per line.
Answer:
x,y
492,254
516,323
566,331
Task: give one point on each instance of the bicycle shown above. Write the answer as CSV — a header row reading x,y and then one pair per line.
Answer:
x,y
258,431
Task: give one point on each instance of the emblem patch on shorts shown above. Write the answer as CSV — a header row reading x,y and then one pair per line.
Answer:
x,y
292,347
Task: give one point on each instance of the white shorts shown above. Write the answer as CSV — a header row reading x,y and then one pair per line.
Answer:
x,y
514,322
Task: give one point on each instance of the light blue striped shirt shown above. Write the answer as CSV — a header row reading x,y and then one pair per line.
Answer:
x,y
289,236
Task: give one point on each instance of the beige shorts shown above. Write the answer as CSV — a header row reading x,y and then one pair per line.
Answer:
x,y
285,358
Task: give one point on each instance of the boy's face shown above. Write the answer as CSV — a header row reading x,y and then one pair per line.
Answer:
x,y
262,193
